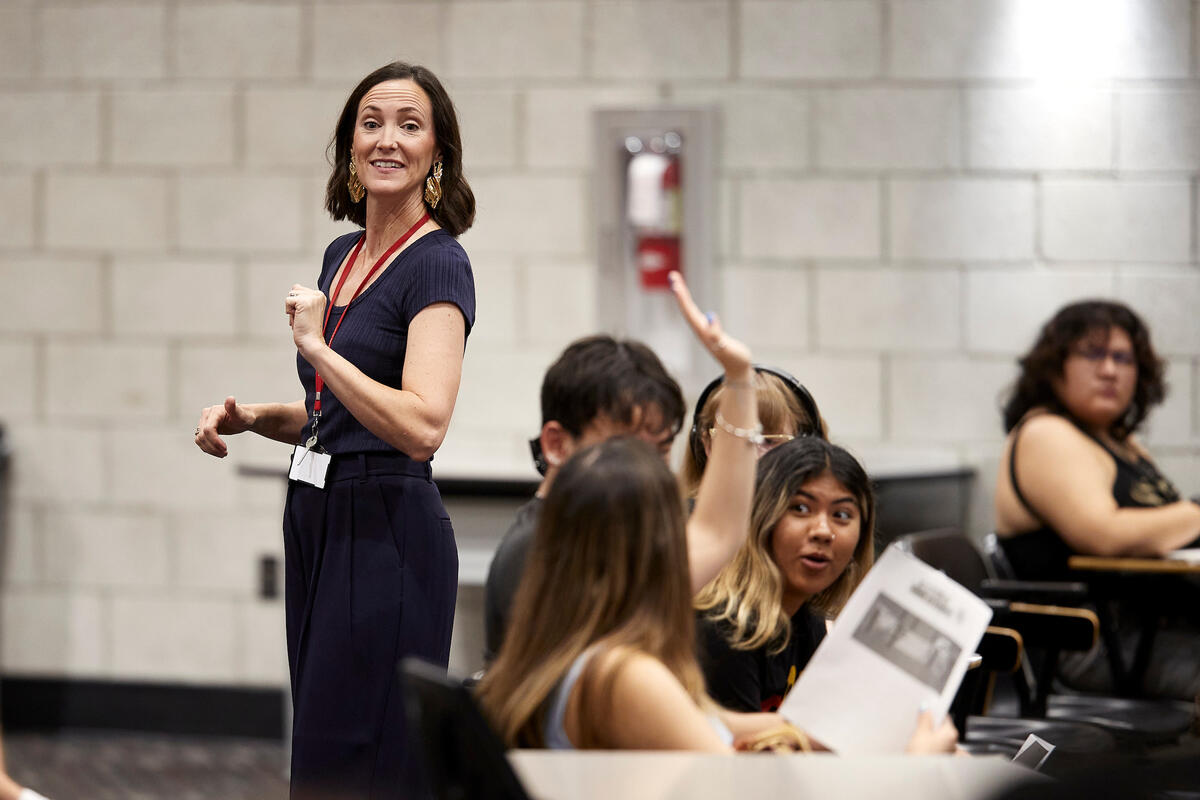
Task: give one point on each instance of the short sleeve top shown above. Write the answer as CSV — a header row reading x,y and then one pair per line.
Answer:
x,y
755,680
374,337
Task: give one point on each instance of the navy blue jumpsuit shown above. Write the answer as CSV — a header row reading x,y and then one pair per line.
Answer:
x,y
372,566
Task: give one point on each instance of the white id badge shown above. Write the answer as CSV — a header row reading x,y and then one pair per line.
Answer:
x,y
309,466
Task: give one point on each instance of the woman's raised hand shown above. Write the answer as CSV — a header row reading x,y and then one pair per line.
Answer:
x,y
731,353
215,421
306,315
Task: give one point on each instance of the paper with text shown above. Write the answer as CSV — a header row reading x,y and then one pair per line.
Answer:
x,y
903,640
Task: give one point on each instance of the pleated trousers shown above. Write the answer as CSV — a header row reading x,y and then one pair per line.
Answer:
x,y
372,576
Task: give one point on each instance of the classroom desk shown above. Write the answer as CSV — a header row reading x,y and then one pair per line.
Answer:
x,y
693,776
1127,676
1161,566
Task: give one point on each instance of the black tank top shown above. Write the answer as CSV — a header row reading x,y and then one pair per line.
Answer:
x,y
1041,554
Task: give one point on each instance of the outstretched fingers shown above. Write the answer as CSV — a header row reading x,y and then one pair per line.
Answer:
x,y
732,354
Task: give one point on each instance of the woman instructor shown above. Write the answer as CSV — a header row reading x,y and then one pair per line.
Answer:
x,y
372,567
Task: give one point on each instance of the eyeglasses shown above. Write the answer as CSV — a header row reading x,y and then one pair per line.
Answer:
x,y
1098,355
769,441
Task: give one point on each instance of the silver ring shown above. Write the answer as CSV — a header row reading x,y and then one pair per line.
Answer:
x,y
196,432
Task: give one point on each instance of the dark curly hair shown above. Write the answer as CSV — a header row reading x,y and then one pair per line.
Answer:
x,y
456,211
1044,363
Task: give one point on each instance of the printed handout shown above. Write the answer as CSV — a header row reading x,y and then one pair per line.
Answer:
x,y
901,643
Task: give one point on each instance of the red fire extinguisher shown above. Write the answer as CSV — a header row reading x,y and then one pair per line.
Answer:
x,y
656,216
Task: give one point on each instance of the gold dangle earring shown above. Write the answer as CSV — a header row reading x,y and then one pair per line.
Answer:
x,y
433,186
357,190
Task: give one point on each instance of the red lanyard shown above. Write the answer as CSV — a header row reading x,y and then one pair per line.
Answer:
x,y
349,266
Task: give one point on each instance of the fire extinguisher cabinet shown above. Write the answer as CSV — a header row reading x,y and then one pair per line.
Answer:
x,y
656,212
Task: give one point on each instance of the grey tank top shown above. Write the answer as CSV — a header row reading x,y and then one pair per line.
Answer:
x,y
556,735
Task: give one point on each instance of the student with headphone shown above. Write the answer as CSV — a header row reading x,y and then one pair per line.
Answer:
x,y
763,616
785,409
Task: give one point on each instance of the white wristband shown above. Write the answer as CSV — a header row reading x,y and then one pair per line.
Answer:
x,y
751,435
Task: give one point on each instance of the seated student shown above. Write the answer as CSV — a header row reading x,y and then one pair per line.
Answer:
x,y
603,656
1073,477
785,409
811,542
601,387
598,388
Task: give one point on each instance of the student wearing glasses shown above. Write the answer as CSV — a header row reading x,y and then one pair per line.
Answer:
x,y
1074,479
785,409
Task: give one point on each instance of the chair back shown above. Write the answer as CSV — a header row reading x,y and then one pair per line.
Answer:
x,y
950,551
997,560
463,757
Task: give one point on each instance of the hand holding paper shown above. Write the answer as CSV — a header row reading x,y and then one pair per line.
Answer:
x,y
902,641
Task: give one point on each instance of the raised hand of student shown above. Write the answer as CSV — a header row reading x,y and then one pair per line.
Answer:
x,y
721,517
732,354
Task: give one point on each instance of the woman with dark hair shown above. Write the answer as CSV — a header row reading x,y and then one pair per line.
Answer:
x,y
372,567
1073,477
811,542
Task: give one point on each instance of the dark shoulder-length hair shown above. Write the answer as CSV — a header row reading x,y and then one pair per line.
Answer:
x,y
456,211
1043,364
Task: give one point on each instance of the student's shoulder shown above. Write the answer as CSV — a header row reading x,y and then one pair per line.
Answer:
x,y
1049,433
628,668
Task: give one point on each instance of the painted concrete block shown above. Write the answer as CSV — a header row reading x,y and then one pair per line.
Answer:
x,y
816,218
1135,221
971,218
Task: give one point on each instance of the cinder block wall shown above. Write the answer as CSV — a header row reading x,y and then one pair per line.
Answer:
x,y
907,188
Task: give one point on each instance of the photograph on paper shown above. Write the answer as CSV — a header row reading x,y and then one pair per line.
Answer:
x,y
901,643
909,642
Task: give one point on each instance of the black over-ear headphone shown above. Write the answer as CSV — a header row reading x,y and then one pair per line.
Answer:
x,y
805,398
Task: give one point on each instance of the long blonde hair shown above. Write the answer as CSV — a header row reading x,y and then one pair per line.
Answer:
x,y
748,593
608,569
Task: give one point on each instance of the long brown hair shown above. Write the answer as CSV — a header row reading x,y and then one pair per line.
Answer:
x,y
609,569
748,592
456,211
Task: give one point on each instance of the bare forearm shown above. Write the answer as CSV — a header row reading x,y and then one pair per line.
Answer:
x,y
720,520
282,422
1150,532
399,417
